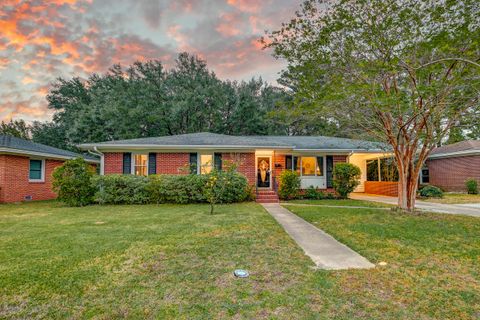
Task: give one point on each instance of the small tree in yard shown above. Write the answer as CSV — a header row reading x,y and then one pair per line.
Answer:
x,y
346,177
214,188
404,71
72,182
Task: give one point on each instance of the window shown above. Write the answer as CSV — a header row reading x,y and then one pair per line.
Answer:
x,y
36,172
425,176
310,166
206,161
140,164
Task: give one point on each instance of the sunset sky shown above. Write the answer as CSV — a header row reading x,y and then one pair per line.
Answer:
x,y
43,40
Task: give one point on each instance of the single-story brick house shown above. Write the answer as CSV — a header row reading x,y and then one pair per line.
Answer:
x,y
259,158
26,169
449,166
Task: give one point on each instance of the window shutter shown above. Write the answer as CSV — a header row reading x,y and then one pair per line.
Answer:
x,y
193,163
152,163
329,171
288,162
320,165
127,163
217,161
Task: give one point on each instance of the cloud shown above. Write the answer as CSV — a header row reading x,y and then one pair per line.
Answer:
x,y
251,6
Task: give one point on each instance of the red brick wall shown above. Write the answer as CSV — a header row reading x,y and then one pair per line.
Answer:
x,y
279,163
113,163
14,184
386,188
173,163
339,159
450,173
245,164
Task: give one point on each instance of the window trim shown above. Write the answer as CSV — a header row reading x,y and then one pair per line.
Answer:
x,y
132,160
42,171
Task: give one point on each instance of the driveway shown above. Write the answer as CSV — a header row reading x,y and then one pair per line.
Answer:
x,y
467,209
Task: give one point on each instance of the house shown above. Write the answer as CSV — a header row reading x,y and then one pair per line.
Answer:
x,y
449,166
26,169
260,158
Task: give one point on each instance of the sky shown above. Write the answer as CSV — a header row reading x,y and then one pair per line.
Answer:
x,y
43,40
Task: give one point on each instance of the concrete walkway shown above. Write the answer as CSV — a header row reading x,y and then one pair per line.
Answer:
x,y
323,249
466,209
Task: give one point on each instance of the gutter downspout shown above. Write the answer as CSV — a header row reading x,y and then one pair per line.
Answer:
x,y
102,159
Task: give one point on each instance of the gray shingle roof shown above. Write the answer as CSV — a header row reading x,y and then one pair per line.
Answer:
x,y
14,143
462,146
212,139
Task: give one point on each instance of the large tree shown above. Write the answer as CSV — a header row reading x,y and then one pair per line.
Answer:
x,y
146,99
404,70
16,128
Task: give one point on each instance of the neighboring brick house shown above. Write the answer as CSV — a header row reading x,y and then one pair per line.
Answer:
x,y
451,165
26,169
260,158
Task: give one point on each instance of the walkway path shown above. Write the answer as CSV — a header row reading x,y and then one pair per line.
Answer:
x,y
467,209
323,249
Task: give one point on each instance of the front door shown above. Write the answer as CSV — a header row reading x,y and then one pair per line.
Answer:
x,y
264,172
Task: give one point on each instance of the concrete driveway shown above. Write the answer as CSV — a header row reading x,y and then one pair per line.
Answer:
x,y
466,209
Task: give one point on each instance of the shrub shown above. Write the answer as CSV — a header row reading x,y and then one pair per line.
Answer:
x,y
71,181
289,185
176,188
430,191
472,186
315,194
121,189
346,177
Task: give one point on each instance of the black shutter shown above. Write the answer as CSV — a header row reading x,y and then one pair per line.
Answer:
x,y
193,163
288,162
127,163
152,163
320,165
295,163
217,161
329,171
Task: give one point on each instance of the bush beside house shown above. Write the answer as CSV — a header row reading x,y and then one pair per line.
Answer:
x,y
71,182
472,186
77,185
289,185
346,177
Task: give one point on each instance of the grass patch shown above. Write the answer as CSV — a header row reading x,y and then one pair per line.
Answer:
x,y
432,261
176,261
344,202
455,198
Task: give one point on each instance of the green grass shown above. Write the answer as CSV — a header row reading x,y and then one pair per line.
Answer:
x,y
455,198
433,261
176,262
345,202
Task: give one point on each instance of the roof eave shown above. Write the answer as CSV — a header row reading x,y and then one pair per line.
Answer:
x,y
42,154
455,154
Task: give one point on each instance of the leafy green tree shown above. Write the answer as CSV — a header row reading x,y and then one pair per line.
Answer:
x,y
16,128
404,71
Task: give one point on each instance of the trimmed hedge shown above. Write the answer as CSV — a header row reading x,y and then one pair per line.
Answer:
x,y
181,189
430,191
289,185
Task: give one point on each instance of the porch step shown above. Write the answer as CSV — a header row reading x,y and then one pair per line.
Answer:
x,y
267,196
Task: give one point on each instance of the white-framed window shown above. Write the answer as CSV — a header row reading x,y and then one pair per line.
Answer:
x,y
36,170
140,164
205,163
311,166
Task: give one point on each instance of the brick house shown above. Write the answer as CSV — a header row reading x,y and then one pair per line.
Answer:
x,y
448,167
259,158
26,169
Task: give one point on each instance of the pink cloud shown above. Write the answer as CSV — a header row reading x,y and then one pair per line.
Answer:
x,y
251,6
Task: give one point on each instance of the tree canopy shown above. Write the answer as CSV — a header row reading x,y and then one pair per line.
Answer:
x,y
146,99
404,71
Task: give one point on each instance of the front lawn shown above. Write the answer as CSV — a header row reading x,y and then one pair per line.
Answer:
x,y
344,202
455,198
433,261
176,261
